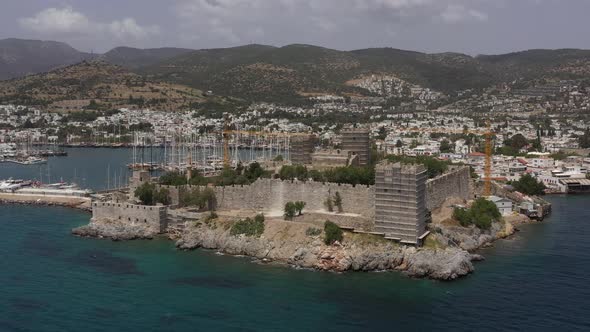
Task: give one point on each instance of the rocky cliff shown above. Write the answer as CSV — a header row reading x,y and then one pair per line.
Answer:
x,y
288,242
116,230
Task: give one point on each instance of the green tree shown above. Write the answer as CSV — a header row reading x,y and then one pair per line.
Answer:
x,y
299,206
446,146
145,193
584,140
382,134
481,214
289,211
173,179
517,142
329,204
338,202
528,185
162,196
333,233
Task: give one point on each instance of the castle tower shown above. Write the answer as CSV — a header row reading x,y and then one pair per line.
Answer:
x,y
400,202
358,141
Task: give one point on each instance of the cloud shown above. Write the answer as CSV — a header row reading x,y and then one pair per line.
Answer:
x,y
65,21
457,13
219,22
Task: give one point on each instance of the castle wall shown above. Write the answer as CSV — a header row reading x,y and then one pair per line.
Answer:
x,y
271,195
454,183
155,216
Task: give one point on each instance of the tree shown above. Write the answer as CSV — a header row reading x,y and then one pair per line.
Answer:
x,y
289,211
333,233
517,142
399,144
162,196
584,140
329,204
299,205
145,193
173,179
278,158
481,214
446,146
382,134
528,185
338,202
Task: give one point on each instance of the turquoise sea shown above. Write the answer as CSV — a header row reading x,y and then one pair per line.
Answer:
x,y
52,281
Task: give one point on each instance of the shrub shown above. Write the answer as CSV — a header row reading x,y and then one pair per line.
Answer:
x,y
312,231
481,214
248,227
289,211
333,233
148,194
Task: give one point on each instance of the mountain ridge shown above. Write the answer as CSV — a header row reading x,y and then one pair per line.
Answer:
x,y
257,72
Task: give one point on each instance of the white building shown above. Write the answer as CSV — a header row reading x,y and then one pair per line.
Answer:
x,y
504,205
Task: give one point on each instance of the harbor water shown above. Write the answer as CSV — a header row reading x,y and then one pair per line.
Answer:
x,y
52,281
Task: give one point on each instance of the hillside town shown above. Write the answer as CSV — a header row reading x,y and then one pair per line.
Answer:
x,y
540,130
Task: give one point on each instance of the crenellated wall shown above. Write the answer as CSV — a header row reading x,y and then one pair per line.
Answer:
x,y
155,216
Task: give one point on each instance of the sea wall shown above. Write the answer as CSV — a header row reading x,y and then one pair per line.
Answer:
x,y
454,183
71,201
152,216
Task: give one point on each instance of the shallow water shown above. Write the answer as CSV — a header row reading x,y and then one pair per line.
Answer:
x,y
52,281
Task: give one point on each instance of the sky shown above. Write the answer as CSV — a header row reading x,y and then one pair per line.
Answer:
x,y
466,26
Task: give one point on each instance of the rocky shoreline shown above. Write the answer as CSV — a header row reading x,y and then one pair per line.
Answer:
x,y
447,255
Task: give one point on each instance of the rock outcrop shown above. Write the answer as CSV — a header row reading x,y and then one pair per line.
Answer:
x,y
116,230
471,238
357,252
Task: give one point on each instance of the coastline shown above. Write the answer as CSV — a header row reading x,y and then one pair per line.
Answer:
x,y
449,254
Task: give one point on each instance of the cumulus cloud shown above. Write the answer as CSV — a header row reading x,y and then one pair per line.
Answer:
x,y
62,21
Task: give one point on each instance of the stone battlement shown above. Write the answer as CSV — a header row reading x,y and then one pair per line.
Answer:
x,y
154,216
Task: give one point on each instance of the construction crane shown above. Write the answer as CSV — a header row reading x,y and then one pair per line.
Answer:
x,y
487,191
488,134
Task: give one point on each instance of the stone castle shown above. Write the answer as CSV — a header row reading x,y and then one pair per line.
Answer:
x,y
397,206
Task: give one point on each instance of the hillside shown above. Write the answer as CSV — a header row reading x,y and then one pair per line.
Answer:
x,y
19,57
276,74
98,83
258,72
561,63
129,57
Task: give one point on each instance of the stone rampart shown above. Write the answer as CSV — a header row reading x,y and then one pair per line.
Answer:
x,y
154,216
454,183
271,195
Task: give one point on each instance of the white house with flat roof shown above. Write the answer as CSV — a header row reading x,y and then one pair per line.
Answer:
x,y
504,205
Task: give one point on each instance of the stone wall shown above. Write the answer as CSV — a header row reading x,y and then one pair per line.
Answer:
x,y
454,183
155,216
271,195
